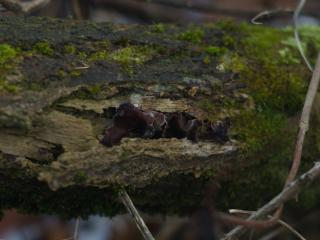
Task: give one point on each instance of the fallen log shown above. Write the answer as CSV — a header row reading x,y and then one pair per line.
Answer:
x,y
61,86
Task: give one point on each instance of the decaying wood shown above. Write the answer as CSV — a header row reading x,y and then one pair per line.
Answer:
x,y
51,127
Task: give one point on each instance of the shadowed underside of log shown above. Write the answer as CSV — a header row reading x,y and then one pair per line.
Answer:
x,y
61,82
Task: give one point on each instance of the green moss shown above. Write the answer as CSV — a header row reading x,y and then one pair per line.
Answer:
x,y
277,86
82,55
94,89
193,34
100,55
8,87
104,44
62,74
6,53
158,28
310,41
257,129
70,49
8,61
276,83
126,56
43,48
206,60
76,73
215,50
132,55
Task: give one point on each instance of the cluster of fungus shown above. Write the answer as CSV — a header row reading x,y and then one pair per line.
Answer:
x,y
130,121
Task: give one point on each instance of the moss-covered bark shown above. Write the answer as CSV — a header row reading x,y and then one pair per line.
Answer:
x,y
57,77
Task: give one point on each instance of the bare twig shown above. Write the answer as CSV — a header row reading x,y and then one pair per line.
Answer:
x,y
304,120
296,14
22,6
269,13
76,229
281,222
296,33
123,195
289,192
84,66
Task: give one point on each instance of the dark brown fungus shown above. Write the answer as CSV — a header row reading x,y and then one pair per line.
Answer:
x,y
218,131
180,125
129,118
130,121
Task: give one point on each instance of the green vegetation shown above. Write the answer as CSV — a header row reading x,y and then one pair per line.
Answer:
x,y
268,63
127,56
70,49
7,87
193,34
100,55
215,50
159,28
7,64
132,55
6,53
43,48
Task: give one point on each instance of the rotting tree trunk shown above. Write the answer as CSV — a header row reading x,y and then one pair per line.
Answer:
x,y
61,80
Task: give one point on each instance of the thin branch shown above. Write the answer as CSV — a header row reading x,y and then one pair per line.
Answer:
x,y
21,6
123,195
288,193
268,13
296,14
304,120
281,222
296,33
76,229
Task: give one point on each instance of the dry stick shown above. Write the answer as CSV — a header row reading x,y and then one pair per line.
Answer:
x,y
123,195
281,222
76,229
296,14
303,128
268,13
296,33
287,193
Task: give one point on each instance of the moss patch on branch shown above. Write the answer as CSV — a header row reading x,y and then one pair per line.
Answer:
x,y
7,65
